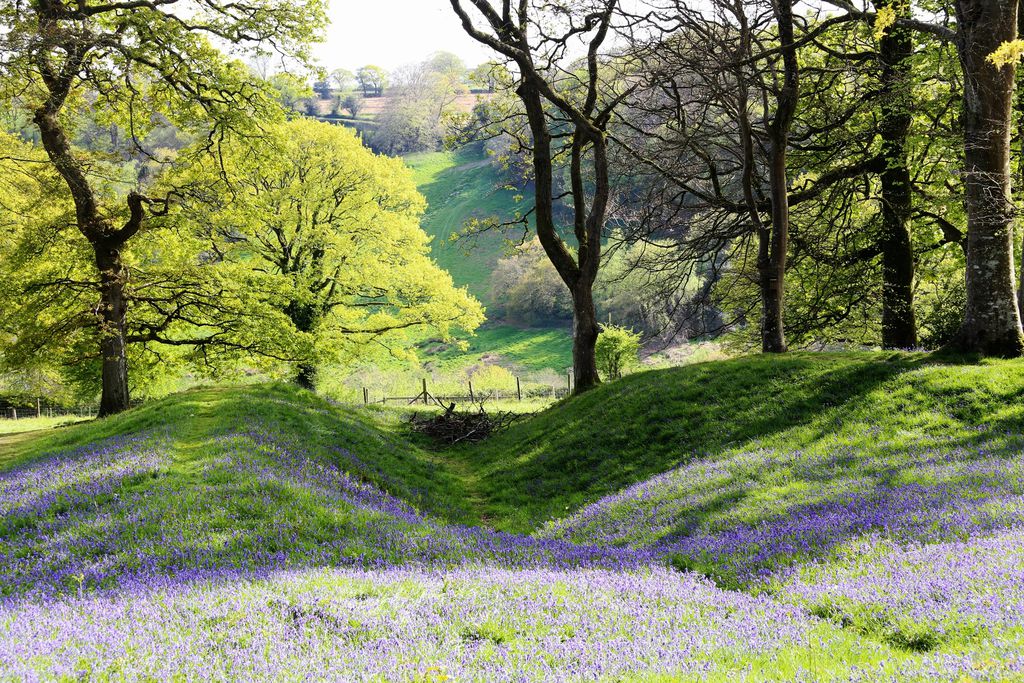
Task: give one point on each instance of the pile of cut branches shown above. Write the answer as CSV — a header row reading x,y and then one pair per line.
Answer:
x,y
453,426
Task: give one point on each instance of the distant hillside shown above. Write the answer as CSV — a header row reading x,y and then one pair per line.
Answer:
x,y
373,106
459,186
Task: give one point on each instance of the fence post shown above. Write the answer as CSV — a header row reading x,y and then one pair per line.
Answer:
x,y
472,398
366,396
519,390
425,391
568,382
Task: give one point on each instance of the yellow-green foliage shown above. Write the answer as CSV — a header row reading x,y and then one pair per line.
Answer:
x,y
491,378
1009,52
334,231
617,350
885,18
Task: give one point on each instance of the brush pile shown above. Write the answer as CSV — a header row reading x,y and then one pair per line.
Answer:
x,y
453,426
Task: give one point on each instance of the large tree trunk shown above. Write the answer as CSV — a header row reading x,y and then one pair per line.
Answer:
x,y
1020,149
111,314
578,276
772,264
107,243
305,376
772,257
306,318
584,338
586,118
992,323
899,327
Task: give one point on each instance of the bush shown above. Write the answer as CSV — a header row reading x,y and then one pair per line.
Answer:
x,y
527,290
618,349
490,379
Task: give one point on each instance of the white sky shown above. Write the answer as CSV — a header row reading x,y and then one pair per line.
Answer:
x,y
391,33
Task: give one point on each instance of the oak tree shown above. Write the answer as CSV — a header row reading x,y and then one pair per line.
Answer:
x,y
136,62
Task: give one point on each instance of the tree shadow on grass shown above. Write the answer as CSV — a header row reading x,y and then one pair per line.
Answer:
x,y
647,423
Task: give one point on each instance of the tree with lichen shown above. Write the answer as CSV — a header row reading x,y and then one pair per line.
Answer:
x,y
986,35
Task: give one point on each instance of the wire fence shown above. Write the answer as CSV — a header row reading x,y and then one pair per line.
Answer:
x,y
21,410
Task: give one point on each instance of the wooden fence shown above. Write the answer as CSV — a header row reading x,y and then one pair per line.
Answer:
x,y
426,397
43,408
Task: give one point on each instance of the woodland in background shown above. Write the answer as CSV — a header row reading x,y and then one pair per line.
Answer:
x,y
837,173
780,175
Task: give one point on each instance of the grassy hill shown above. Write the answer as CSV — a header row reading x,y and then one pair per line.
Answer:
x,y
461,185
869,404
649,422
253,478
837,517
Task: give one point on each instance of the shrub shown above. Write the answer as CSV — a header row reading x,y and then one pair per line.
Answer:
x,y
492,378
618,349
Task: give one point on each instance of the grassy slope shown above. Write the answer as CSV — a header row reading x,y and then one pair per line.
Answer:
x,y
527,349
647,423
618,434
461,185
856,405
194,419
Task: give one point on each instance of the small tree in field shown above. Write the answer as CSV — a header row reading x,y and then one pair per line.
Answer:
x,y
617,349
353,104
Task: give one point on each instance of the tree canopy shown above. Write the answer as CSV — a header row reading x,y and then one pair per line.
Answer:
x,y
333,232
135,65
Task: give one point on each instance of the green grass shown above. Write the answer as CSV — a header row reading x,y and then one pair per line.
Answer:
x,y
461,185
622,432
647,423
194,419
872,410
33,424
523,349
